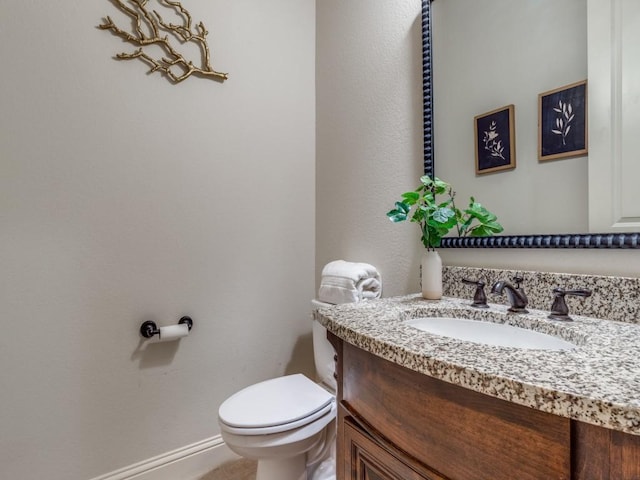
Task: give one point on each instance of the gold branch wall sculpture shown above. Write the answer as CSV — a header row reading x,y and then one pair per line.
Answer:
x,y
150,29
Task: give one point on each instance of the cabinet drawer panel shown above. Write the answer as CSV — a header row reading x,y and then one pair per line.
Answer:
x,y
366,460
455,431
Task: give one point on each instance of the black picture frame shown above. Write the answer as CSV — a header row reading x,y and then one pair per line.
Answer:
x,y
495,140
562,122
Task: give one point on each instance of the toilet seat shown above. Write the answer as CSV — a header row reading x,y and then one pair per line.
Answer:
x,y
275,406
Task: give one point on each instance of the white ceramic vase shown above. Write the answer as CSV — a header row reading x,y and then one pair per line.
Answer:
x,y
431,275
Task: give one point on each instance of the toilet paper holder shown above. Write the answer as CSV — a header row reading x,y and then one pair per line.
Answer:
x,y
149,328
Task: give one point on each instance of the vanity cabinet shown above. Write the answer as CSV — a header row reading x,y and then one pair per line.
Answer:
x,y
397,424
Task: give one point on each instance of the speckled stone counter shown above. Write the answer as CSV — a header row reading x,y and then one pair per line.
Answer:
x,y
597,382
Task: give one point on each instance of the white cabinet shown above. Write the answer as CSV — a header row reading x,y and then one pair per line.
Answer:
x,y
614,115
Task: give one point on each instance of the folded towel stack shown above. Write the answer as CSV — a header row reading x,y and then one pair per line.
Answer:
x,y
348,282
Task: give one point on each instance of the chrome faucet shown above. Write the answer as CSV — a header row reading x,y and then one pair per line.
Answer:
x,y
516,296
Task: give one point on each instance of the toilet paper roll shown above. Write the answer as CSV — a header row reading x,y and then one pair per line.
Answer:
x,y
173,332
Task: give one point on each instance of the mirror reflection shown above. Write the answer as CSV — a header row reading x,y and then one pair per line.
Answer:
x,y
488,55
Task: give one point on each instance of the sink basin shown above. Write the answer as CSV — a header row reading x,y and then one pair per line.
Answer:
x,y
489,333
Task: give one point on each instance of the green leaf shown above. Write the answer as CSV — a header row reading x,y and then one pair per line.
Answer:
x,y
442,215
403,207
426,180
486,230
411,198
418,215
429,198
440,186
495,227
480,231
396,216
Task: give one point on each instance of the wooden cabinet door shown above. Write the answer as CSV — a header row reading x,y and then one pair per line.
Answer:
x,y
459,433
367,460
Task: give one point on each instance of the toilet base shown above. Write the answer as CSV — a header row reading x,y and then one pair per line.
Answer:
x,y
292,468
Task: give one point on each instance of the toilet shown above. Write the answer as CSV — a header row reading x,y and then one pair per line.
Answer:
x,y
287,424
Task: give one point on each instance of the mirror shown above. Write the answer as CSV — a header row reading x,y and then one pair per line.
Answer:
x,y
545,43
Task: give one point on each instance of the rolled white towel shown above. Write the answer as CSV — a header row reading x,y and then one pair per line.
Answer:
x,y
348,282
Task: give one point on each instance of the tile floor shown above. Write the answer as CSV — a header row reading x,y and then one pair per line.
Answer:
x,y
237,470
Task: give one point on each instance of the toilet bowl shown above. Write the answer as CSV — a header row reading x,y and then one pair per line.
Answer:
x,y
287,424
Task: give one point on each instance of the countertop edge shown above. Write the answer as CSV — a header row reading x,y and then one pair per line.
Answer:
x,y
592,409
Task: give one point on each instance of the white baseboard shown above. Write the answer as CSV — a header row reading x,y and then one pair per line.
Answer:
x,y
186,463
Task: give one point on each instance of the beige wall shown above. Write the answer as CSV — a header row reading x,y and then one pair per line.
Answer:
x,y
125,198
369,149
369,130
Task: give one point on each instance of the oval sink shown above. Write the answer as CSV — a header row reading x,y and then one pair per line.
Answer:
x,y
490,333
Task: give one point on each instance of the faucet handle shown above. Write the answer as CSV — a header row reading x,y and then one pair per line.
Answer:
x,y
559,309
517,280
479,297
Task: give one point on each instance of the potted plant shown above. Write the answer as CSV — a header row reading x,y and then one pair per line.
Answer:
x,y
434,210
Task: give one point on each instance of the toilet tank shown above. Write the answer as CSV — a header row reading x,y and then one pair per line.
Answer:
x,y
323,352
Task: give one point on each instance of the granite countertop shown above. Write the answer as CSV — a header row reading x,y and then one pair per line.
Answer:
x,y
598,382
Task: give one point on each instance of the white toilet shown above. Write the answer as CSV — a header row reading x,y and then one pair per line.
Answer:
x,y
287,423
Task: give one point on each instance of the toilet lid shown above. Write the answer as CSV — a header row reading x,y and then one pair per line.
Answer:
x,y
275,402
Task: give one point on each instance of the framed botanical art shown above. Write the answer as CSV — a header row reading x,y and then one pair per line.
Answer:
x,y
562,122
495,140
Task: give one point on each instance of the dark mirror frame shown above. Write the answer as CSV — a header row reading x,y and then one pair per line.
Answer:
x,y
569,240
